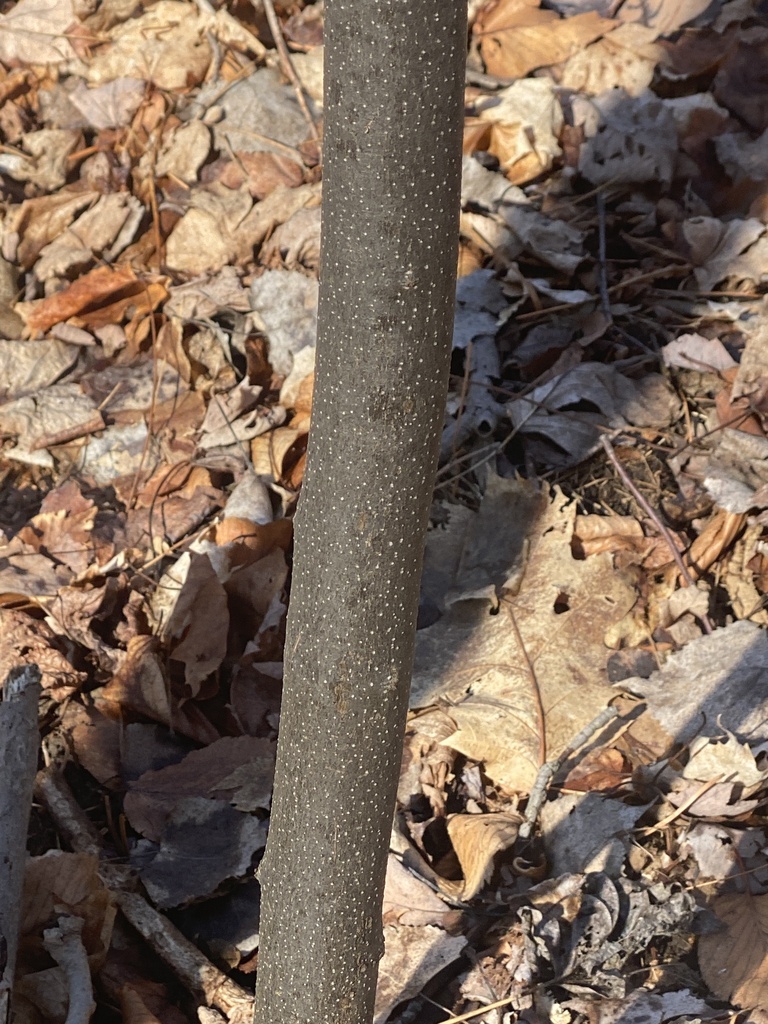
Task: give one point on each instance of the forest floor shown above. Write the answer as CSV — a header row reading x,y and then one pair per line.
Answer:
x,y
599,531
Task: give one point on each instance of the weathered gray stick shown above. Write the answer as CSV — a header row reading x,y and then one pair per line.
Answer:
x,y
19,743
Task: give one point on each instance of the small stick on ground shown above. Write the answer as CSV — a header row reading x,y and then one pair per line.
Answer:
x,y
19,745
65,944
655,519
192,968
72,823
605,301
287,66
548,770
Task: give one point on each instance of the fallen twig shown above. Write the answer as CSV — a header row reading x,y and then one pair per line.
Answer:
x,y
656,520
192,968
287,65
19,743
65,945
548,770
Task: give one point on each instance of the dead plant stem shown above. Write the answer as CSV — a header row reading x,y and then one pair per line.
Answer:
x,y
287,66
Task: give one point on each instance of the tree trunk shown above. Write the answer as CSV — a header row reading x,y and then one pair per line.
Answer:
x,y
394,74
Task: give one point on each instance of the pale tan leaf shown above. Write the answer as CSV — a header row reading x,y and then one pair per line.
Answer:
x,y
29,367
593,534
408,900
526,118
626,58
714,245
664,17
34,31
165,45
731,760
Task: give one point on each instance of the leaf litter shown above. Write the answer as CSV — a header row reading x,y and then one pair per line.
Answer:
x,y
598,532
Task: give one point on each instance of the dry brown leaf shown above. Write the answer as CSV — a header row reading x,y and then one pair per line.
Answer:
x,y
717,536
599,770
626,58
740,86
197,628
715,682
517,36
184,151
139,685
258,538
476,839
165,45
53,416
96,742
26,575
278,453
742,571
68,881
94,289
694,352
262,173
35,32
525,119
101,231
593,534
224,227
714,246
37,222
44,161
25,639
134,1009
64,529
734,962
665,17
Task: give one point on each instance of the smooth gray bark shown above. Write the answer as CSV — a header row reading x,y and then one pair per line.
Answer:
x,y
394,73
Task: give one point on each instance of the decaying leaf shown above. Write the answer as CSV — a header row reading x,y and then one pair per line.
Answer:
x,y
473,660
408,901
517,36
204,843
588,832
36,31
717,682
526,119
210,772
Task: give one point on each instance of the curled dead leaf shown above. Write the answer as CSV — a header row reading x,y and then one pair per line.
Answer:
x,y
260,538
477,838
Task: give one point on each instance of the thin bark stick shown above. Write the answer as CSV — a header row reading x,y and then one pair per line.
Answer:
x,y
548,770
19,744
65,945
288,68
195,971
